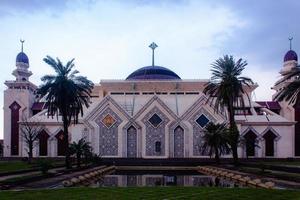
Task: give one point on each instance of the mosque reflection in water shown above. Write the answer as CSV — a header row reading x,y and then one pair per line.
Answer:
x,y
162,180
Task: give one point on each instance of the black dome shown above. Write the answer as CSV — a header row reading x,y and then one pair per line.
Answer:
x,y
152,72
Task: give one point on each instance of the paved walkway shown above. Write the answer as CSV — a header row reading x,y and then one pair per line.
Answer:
x,y
53,170
56,181
279,182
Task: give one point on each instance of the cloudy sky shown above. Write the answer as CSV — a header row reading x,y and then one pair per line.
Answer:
x,y
109,39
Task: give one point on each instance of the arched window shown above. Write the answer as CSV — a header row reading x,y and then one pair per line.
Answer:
x,y
131,142
269,143
43,143
61,144
250,140
178,142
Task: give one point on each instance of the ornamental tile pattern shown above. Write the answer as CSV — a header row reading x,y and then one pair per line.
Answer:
x,y
155,134
178,142
198,131
180,180
108,136
131,142
154,181
202,181
131,180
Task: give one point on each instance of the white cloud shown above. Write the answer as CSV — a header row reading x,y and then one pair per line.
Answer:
x,y
109,39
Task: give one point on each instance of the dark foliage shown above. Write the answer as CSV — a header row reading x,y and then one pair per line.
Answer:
x,y
66,94
225,91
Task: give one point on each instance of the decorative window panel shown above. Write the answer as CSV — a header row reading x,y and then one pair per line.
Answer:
x,y
202,120
108,123
155,120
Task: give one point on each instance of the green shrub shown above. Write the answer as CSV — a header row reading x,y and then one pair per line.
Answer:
x,y
96,159
44,165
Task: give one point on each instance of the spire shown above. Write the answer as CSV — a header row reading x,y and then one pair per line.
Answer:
x,y
22,43
153,46
22,63
290,39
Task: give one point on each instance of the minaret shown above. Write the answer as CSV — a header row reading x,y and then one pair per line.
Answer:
x,y
288,111
290,63
18,99
22,64
290,60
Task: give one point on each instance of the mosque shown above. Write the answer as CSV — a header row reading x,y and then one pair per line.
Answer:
x,y
153,113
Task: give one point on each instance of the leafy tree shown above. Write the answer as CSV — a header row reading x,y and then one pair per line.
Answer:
x,y
291,91
66,93
225,91
215,140
30,133
80,148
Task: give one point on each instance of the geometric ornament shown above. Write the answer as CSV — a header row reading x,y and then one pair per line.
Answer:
x,y
155,120
202,120
108,120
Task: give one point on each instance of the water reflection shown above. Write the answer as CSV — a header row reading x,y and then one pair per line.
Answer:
x,y
153,180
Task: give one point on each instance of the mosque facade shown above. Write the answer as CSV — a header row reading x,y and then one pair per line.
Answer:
x,y
153,113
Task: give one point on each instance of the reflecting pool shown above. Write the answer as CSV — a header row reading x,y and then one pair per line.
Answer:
x,y
161,178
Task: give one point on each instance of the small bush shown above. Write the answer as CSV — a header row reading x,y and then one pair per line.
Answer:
x,y
96,159
262,167
289,159
44,165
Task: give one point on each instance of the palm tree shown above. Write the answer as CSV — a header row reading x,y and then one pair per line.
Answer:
x,y
80,148
215,140
225,90
66,94
291,91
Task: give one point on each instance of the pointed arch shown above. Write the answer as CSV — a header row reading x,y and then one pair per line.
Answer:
x,y
43,143
251,138
131,142
61,144
173,126
14,123
270,137
178,142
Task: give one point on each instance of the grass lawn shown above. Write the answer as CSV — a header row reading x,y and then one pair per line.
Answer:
x,y
10,166
272,173
153,193
284,163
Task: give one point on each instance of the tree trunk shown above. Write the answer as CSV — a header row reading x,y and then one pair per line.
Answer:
x,y
78,158
30,146
234,135
66,140
217,156
235,155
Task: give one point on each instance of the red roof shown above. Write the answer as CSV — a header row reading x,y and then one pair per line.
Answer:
x,y
38,106
272,105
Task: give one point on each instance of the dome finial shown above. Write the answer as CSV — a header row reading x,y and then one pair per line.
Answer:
x,y
290,39
22,42
153,46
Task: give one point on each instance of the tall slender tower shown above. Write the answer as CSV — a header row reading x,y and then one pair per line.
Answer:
x,y
18,99
290,112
